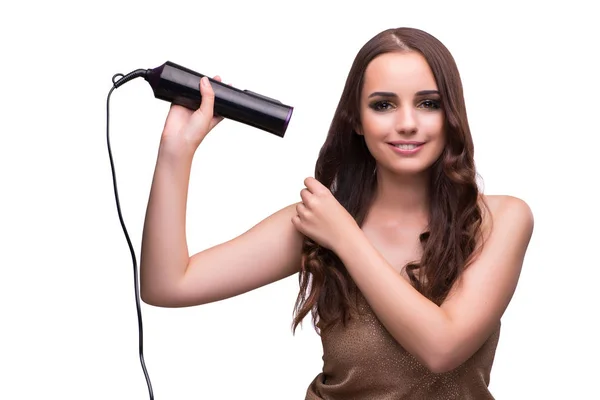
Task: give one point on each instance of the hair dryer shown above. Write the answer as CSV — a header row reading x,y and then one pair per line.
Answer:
x,y
180,85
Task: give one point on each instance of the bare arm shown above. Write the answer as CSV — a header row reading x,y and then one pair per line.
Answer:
x,y
169,277
444,337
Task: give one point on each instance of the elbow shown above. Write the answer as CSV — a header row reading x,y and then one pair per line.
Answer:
x,y
159,301
440,365
155,291
147,295
162,297
442,359
153,296
148,298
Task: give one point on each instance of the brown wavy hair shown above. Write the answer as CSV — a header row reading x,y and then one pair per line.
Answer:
x,y
346,166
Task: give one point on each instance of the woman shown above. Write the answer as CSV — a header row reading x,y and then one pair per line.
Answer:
x,y
404,265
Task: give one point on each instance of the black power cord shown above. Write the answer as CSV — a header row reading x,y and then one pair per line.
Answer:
x,y
116,83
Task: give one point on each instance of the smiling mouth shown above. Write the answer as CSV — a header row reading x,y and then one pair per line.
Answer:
x,y
411,146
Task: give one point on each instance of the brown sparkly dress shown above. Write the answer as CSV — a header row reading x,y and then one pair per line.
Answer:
x,y
362,361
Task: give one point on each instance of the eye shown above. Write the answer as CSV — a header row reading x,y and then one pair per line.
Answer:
x,y
431,104
381,105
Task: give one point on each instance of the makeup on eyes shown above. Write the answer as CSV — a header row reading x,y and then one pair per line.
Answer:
x,y
431,97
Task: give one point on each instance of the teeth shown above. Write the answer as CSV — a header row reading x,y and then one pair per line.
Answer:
x,y
406,146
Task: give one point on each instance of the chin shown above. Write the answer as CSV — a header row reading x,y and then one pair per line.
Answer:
x,y
416,164
409,166
410,170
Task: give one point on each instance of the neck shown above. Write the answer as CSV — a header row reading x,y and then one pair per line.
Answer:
x,y
402,197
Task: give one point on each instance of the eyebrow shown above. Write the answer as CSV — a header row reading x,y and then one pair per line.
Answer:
x,y
392,94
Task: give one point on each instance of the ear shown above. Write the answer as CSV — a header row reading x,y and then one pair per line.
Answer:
x,y
358,130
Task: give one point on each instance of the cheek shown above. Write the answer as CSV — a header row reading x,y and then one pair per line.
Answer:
x,y
434,128
377,126
432,125
375,129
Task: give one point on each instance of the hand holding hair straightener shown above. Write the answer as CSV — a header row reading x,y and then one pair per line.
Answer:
x,y
180,85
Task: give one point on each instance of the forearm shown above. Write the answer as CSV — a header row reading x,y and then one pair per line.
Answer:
x,y
164,253
418,324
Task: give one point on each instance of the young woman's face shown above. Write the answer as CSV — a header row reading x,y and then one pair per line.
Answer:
x,y
401,116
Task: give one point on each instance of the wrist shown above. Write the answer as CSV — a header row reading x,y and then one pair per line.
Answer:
x,y
173,148
350,240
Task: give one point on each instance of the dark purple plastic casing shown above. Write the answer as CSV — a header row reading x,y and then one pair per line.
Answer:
x,y
179,85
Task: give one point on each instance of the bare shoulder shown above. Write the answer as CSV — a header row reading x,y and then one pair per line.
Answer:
x,y
508,214
511,207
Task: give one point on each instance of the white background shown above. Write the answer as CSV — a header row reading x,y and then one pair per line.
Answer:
x,y
68,321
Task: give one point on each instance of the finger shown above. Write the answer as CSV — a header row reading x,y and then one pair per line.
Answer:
x,y
208,98
296,221
301,210
315,186
310,183
305,195
201,118
216,118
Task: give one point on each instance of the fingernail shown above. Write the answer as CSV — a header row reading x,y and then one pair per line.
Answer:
x,y
204,81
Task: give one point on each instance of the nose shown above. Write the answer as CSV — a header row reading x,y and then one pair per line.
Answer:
x,y
406,122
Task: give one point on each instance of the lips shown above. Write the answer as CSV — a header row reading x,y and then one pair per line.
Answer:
x,y
397,142
406,147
